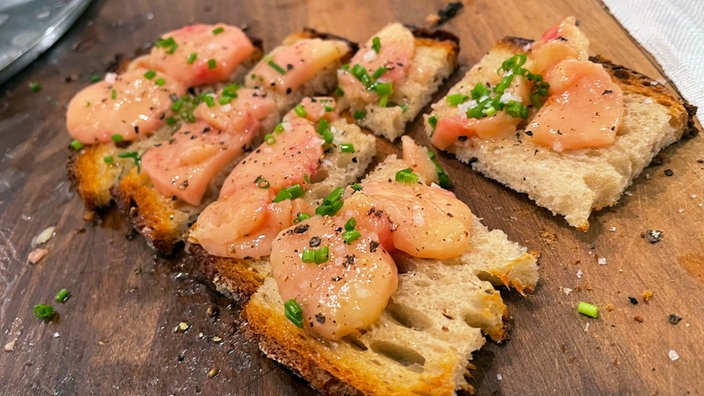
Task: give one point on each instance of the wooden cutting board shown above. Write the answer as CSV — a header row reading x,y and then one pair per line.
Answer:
x,y
118,334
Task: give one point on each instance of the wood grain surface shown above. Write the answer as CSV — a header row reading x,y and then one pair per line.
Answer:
x,y
116,334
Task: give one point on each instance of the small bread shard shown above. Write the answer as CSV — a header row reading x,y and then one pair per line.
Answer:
x,y
424,340
573,183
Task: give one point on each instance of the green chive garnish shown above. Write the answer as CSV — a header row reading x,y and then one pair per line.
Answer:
x,y
359,114
329,108
150,74
293,312
406,176
132,154
113,94
191,58
347,148
433,121
356,187
376,44
160,81
34,86
43,311
63,295
218,30
291,192
94,78
276,67
279,128
300,111
212,64
588,309
108,159
324,131
456,99
300,217
269,139
331,204
262,182
116,137
76,145
443,178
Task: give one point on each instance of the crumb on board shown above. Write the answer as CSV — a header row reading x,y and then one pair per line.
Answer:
x,y
548,238
673,355
37,255
638,319
610,307
444,14
652,236
647,295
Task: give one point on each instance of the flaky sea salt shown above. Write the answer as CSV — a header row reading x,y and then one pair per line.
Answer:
x,y
673,355
601,260
499,377
579,274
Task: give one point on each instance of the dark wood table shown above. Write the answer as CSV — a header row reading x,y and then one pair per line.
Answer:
x,y
117,333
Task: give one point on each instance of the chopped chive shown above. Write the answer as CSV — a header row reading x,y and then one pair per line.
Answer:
x,y
43,311
308,255
113,94
324,131
406,176
223,100
300,217
169,44
404,108
108,159
212,64
170,121
208,100
306,178
433,121
379,72
300,110
350,224
150,74
329,108
94,78
76,145
192,58
293,312
279,128
588,309
359,114
34,86
132,154
160,81
269,139
276,67
376,44
262,182
63,295
351,236
230,90
347,148
177,105
331,204
456,99
339,91
291,192
322,255
443,178
116,137
218,30
357,187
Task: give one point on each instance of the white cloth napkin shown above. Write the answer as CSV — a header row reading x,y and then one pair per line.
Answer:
x,y
673,32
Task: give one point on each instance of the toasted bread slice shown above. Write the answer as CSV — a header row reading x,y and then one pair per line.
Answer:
x,y
164,221
576,182
424,340
93,177
239,279
434,59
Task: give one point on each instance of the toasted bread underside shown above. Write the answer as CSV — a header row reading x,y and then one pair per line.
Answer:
x,y
576,182
434,59
239,279
424,340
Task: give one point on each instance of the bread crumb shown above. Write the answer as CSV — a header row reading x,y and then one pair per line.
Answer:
x,y
45,236
647,295
548,238
601,260
612,229
693,196
610,307
37,255
566,290
579,274
10,346
499,377
638,319
680,210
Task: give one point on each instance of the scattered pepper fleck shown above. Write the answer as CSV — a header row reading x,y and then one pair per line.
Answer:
x,y
669,172
652,236
674,319
633,300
